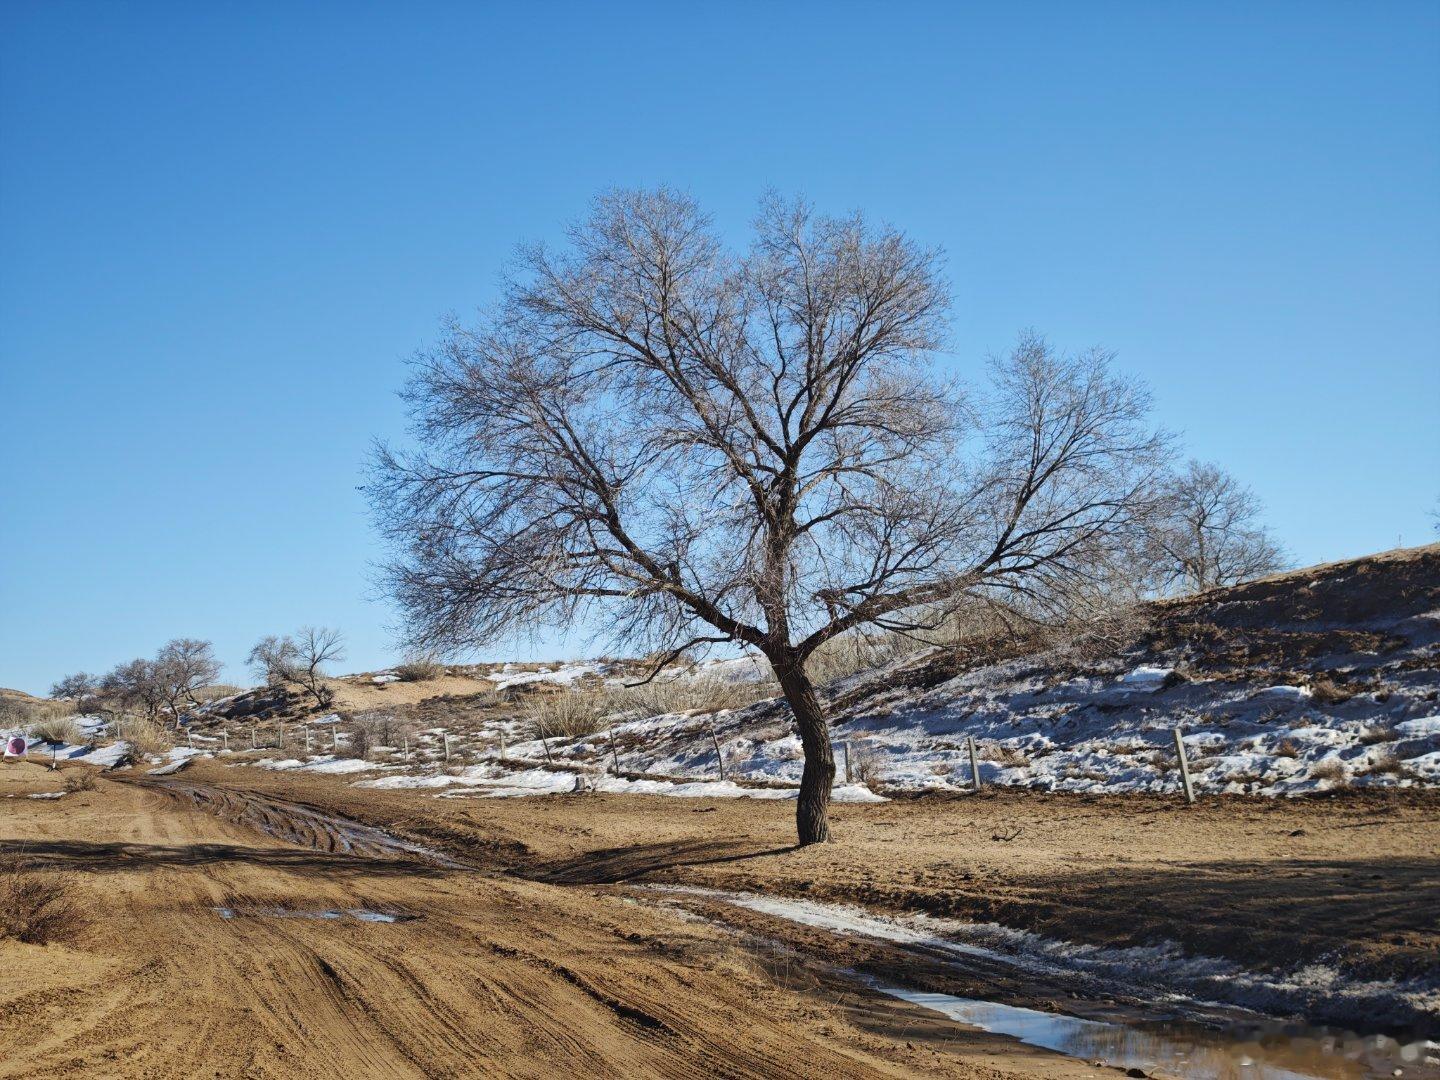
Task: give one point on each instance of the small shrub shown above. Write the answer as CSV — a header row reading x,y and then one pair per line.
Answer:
x,y
371,730
1009,757
1376,733
572,715
1326,691
56,729
78,780
1386,763
1287,747
421,670
865,764
145,736
37,906
1328,770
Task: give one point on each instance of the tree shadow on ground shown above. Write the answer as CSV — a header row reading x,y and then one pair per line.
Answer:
x,y
613,865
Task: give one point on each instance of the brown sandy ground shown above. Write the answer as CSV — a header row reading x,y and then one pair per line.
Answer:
x,y
493,976
1352,879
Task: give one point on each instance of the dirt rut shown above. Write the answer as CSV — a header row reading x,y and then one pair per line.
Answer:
x,y
493,976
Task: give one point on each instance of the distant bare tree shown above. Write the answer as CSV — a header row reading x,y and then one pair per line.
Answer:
x,y
275,659
183,666
133,685
81,688
1205,533
315,647
706,448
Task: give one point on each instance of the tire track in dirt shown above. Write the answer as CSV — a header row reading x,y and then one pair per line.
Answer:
x,y
496,977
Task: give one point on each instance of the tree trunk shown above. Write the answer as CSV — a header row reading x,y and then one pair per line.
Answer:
x,y
812,808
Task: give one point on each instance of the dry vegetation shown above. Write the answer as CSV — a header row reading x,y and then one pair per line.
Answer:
x,y
56,729
421,670
37,906
27,712
144,735
580,712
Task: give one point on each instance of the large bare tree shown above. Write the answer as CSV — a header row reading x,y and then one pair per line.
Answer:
x,y
183,666
1206,533
706,447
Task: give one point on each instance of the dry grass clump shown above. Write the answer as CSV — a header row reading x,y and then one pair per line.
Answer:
x,y
78,780
1287,747
1386,763
1326,691
1377,733
1328,770
145,736
698,693
571,715
420,670
1010,757
22,713
217,692
56,729
576,713
37,906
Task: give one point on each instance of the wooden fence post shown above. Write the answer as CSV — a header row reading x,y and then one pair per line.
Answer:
x,y
405,738
845,749
502,744
252,736
334,738
974,763
225,738
614,757
1184,767
719,757
307,738
446,736
280,743
190,738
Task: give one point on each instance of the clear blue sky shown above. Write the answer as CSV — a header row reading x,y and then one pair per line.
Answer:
x,y
223,227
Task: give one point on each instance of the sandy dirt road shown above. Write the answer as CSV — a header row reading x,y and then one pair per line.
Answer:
x,y
484,975
1264,882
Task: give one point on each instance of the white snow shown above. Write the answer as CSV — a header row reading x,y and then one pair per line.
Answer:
x,y
1425,725
563,675
1146,678
493,780
324,763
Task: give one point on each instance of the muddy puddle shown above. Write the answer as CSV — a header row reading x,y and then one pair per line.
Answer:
x,y
1167,1035
361,914
1263,1052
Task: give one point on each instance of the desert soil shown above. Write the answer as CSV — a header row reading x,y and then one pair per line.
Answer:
x,y
1353,878
487,973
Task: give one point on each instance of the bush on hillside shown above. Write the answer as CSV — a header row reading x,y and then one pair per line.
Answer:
x,y
421,670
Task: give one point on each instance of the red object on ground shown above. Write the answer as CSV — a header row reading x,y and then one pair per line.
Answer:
x,y
15,746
